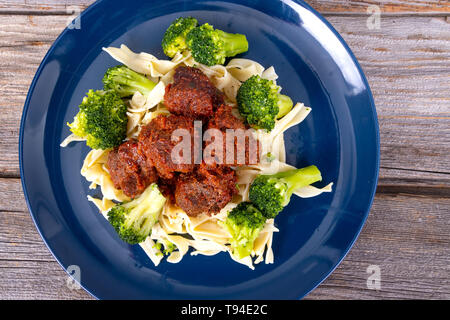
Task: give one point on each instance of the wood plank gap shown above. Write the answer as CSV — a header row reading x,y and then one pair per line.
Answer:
x,y
432,14
14,211
415,170
8,12
25,260
442,191
9,175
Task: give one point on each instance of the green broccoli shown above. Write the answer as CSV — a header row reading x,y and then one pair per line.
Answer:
x,y
133,221
271,193
102,120
169,248
211,46
244,223
260,102
174,39
126,82
165,246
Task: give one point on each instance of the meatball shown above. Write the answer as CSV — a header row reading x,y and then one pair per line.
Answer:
x,y
129,169
167,188
243,148
157,140
224,119
207,190
192,94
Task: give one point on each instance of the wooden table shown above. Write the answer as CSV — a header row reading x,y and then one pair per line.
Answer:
x,y
407,235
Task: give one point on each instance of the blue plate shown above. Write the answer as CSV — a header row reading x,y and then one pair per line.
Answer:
x,y
340,136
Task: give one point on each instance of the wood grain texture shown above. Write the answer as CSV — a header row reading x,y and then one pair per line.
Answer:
x,y
27,268
43,7
407,63
386,6
324,6
406,236
399,181
24,40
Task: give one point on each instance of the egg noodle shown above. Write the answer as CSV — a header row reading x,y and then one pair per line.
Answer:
x,y
203,233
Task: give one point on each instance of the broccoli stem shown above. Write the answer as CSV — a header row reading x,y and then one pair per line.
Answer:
x,y
141,214
143,85
245,250
132,81
285,105
233,43
298,178
126,82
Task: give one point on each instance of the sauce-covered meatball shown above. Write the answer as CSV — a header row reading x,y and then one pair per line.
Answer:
x,y
129,169
167,187
166,149
239,145
192,94
207,190
157,141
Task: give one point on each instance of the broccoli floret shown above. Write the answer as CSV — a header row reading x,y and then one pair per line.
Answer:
x,y
158,246
165,246
169,248
102,119
211,46
260,102
133,221
126,82
174,39
244,223
271,193
270,157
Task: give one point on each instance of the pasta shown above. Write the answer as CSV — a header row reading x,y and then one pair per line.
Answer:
x,y
204,234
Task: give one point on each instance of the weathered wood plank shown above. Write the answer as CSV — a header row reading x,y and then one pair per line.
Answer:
x,y
408,68
386,6
406,236
407,63
27,268
11,195
395,181
24,40
45,7
32,280
324,6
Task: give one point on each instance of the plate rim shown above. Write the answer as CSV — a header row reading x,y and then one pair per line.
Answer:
x,y
377,134
307,7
